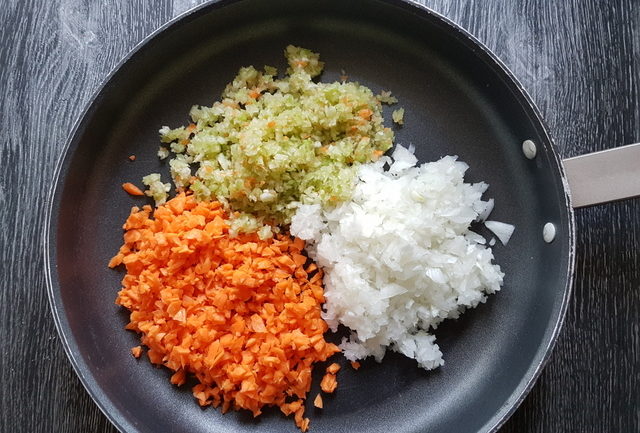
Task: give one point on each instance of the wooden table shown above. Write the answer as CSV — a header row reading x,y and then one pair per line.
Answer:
x,y
579,60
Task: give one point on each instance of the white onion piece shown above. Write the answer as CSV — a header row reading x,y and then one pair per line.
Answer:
x,y
502,230
487,210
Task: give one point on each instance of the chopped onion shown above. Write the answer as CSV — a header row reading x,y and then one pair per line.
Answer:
x,y
502,230
399,256
487,210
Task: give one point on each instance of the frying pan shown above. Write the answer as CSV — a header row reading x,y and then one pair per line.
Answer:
x,y
459,100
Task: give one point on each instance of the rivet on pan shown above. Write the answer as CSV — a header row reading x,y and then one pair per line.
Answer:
x,y
549,233
529,149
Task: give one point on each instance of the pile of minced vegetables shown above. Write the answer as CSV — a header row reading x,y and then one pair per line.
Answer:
x,y
287,220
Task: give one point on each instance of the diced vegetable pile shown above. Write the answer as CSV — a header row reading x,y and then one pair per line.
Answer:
x,y
240,313
223,295
271,144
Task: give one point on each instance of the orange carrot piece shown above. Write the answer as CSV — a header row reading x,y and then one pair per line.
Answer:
x,y
329,383
178,378
132,157
317,402
304,425
132,189
333,368
136,351
299,259
365,113
355,365
298,244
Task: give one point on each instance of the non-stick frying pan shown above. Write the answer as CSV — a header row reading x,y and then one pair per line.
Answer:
x,y
459,100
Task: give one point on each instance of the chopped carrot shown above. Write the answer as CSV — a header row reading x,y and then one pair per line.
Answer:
x,y
317,402
365,113
333,368
355,365
132,157
191,128
329,383
132,189
271,124
178,378
377,154
240,314
136,351
254,94
299,259
304,425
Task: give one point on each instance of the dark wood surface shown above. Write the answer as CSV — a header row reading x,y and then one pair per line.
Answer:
x,y
578,59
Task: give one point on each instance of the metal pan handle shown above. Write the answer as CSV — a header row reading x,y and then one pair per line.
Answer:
x,y
605,176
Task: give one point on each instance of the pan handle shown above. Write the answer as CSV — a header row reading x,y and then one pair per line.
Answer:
x,y
605,176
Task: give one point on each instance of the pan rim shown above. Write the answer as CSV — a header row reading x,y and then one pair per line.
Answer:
x,y
63,329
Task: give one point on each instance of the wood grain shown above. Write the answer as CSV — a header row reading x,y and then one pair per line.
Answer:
x,y
580,62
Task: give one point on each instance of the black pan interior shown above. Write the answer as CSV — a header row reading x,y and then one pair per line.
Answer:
x,y
457,101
